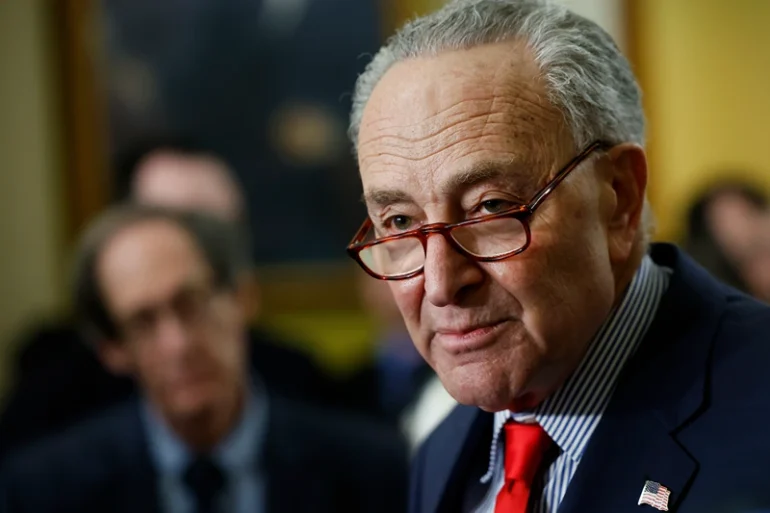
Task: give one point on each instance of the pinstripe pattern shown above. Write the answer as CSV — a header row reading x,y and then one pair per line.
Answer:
x,y
571,415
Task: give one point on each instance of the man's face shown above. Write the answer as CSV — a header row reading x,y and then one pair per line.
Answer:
x,y
181,338
471,133
189,183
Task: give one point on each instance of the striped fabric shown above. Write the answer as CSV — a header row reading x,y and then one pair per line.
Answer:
x,y
586,393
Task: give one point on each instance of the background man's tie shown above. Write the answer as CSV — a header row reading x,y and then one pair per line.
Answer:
x,y
206,480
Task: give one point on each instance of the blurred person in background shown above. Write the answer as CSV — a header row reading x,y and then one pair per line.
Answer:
x,y
58,378
184,174
399,386
755,262
501,153
727,233
397,372
161,293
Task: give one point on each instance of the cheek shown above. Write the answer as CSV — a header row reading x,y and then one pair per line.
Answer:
x,y
408,295
226,340
559,272
151,365
528,274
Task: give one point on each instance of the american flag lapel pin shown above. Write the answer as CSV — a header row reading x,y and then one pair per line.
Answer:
x,y
655,495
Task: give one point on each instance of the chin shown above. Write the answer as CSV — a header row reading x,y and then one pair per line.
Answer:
x,y
197,401
190,408
481,386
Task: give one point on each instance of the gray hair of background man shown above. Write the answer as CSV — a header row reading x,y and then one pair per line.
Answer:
x,y
587,77
220,242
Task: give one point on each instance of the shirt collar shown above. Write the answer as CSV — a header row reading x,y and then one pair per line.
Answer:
x,y
238,451
571,414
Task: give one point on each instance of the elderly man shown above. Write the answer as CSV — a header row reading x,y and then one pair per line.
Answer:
x,y
501,150
162,293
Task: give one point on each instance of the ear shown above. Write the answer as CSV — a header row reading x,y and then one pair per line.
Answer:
x,y
628,180
248,296
115,357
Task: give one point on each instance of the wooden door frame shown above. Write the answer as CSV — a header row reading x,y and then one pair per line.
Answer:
x,y
77,52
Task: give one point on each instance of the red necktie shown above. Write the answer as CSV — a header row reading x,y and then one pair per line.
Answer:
x,y
525,445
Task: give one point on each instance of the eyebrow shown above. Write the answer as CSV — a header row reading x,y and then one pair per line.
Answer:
x,y
385,197
518,174
478,173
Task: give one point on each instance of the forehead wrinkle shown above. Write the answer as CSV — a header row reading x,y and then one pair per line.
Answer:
x,y
509,173
402,144
385,121
500,117
410,150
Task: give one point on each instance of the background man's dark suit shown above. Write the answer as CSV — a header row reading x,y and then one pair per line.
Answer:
x,y
311,462
690,411
61,381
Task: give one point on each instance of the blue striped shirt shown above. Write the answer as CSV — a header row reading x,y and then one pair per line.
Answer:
x,y
237,454
585,394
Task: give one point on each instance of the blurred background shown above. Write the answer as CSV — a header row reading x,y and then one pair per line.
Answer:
x,y
266,84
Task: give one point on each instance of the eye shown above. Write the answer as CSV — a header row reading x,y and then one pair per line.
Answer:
x,y
495,206
397,223
139,324
190,303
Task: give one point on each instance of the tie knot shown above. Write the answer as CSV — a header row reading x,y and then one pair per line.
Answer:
x,y
206,480
525,445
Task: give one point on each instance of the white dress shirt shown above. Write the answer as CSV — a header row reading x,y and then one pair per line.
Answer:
x,y
572,413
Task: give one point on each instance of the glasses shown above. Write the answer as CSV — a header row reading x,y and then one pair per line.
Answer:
x,y
190,307
484,239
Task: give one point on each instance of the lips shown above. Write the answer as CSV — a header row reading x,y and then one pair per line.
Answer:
x,y
465,328
468,337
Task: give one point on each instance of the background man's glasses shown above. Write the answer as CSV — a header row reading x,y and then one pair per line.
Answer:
x,y
190,307
484,239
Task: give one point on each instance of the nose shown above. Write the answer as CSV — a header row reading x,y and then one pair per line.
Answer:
x,y
447,273
172,334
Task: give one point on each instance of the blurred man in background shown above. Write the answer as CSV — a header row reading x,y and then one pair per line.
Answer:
x,y
729,234
59,379
162,294
179,172
398,386
182,173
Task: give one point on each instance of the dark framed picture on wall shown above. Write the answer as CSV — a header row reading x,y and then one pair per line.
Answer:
x,y
264,83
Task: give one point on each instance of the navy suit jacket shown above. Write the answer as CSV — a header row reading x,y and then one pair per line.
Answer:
x,y
691,411
313,462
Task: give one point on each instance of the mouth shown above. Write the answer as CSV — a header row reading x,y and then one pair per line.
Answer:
x,y
470,338
193,378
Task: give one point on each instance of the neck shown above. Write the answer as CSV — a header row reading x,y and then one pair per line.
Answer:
x,y
624,275
203,431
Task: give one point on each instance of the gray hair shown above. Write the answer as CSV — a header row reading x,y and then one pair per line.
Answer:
x,y
587,77
221,243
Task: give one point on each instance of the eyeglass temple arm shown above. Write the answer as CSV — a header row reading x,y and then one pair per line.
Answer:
x,y
575,162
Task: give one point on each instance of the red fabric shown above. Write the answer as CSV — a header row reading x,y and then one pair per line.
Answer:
x,y
525,445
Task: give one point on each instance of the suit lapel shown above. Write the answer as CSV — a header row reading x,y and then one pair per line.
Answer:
x,y
444,479
662,388
293,481
135,482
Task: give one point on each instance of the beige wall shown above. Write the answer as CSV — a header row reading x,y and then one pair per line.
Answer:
x,y
30,223
707,70
609,14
